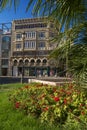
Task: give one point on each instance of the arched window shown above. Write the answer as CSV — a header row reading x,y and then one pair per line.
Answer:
x,y
21,62
15,62
32,62
38,61
44,62
26,62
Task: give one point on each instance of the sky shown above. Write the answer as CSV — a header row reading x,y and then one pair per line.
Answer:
x,y
9,14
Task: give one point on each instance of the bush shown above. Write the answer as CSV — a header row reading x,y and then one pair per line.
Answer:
x,y
52,104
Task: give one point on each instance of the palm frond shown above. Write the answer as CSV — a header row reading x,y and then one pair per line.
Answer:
x,y
9,3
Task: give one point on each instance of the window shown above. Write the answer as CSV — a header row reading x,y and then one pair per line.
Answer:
x,y
18,36
31,34
18,46
5,54
4,61
41,35
30,44
6,41
44,61
41,45
15,63
26,44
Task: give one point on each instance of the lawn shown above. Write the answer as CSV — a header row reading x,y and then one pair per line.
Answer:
x,y
11,119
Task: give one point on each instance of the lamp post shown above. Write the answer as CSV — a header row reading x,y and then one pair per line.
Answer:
x,y
23,41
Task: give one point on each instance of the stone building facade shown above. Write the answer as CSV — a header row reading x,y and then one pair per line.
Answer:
x,y
29,54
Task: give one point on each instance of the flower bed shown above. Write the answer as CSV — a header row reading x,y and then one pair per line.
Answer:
x,y
51,104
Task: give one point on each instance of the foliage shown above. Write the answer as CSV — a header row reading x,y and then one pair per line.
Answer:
x,y
67,12
9,3
72,48
51,104
10,119
78,63
15,120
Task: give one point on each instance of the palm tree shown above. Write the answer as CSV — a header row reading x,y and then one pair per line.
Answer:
x,y
68,12
75,46
78,63
4,3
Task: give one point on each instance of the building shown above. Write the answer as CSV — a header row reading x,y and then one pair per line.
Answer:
x,y
29,54
5,48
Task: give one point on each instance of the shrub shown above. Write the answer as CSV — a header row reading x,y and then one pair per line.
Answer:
x,y
51,104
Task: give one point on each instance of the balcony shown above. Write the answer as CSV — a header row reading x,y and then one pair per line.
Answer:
x,y
41,48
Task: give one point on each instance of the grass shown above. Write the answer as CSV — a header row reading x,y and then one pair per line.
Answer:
x,y
11,86
11,119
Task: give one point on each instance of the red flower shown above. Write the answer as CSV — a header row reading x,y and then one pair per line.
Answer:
x,y
17,104
68,93
65,101
46,108
56,99
83,113
82,104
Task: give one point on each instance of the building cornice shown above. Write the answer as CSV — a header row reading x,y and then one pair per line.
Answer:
x,y
30,20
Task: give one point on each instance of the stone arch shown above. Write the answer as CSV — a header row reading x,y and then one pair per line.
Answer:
x,y
20,62
15,62
26,61
44,60
20,59
32,61
38,61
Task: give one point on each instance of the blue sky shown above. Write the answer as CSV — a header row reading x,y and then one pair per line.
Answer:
x,y
9,14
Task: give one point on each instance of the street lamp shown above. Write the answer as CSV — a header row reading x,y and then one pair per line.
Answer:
x,y
23,41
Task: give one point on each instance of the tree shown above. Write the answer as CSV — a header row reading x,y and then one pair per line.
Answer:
x,y
75,46
68,12
4,3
